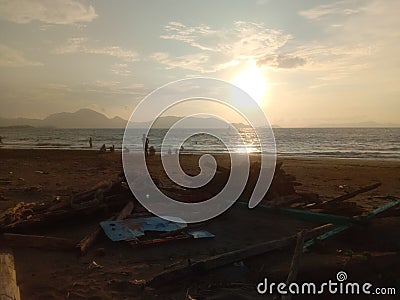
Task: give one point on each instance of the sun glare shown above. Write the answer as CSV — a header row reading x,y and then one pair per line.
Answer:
x,y
252,81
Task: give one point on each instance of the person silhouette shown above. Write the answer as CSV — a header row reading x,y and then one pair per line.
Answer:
x,y
146,147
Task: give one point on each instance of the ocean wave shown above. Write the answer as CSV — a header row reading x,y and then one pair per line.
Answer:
x,y
53,144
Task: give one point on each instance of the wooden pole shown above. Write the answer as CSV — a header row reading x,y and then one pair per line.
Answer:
x,y
8,279
294,267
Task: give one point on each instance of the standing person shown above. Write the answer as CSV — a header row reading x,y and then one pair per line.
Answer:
x,y
143,140
146,147
90,142
1,140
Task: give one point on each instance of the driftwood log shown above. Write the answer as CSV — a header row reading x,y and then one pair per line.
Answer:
x,y
346,196
36,241
8,278
213,262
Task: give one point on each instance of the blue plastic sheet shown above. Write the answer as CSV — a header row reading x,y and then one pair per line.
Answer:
x,y
200,234
131,228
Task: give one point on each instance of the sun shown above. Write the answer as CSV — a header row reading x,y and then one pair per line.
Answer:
x,y
252,81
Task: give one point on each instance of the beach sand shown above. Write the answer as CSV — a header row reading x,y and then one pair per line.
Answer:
x,y
42,175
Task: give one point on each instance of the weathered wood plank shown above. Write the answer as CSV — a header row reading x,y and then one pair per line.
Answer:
x,y
348,195
219,260
36,241
8,278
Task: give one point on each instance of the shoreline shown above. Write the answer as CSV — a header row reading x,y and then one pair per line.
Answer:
x,y
279,156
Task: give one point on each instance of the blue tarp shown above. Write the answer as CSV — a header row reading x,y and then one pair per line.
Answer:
x,y
200,234
131,228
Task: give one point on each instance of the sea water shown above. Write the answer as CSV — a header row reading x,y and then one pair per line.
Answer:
x,y
382,143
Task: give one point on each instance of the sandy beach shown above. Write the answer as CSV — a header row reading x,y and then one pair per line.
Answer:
x,y
45,175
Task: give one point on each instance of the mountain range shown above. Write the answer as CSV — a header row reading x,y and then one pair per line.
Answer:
x,y
83,118
87,118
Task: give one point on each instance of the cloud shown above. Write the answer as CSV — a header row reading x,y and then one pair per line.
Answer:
x,y
282,61
190,35
325,10
222,48
198,62
10,57
46,11
114,87
362,49
120,69
79,45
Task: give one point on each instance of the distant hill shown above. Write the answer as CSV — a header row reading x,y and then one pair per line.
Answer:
x,y
83,118
87,118
357,125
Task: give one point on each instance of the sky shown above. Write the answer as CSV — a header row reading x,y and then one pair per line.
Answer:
x,y
307,62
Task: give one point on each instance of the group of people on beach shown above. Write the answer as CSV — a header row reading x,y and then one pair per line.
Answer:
x,y
148,150
103,147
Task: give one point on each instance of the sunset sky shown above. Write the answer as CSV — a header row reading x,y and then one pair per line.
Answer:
x,y
314,62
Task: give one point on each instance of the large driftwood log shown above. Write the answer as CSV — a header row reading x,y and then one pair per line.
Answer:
x,y
91,238
219,260
8,279
347,196
36,241
216,261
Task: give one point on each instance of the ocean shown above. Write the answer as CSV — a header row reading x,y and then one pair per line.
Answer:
x,y
381,143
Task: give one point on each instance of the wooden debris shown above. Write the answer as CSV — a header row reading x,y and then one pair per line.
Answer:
x,y
216,261
294,266
219,260
13,222
92,237
347,196
357,220
91,197
36,241
160,240
126,211
8,279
